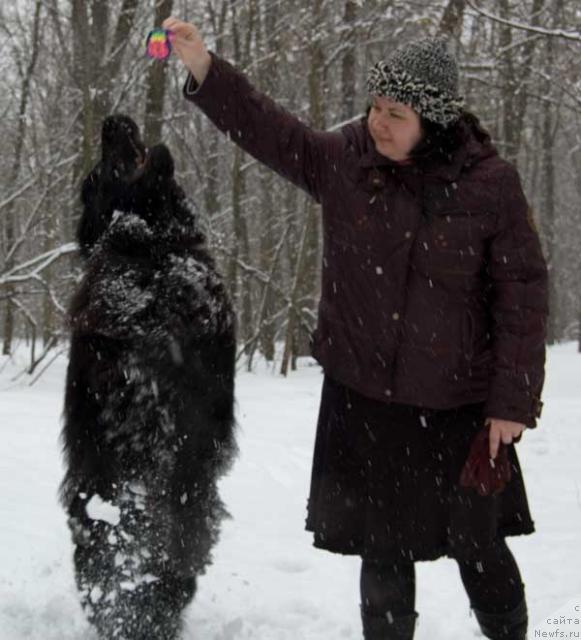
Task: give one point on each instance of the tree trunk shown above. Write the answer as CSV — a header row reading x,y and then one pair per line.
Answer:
x,y
548,217
308,268
452,18
268,48
241,288
349,61
156,81
9,213
515,78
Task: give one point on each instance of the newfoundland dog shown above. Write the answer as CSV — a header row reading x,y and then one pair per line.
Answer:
x,y
148,419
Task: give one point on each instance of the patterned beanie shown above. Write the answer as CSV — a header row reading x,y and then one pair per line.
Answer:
x,y
423,75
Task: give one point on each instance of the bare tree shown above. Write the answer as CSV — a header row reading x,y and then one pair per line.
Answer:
x,y
520,71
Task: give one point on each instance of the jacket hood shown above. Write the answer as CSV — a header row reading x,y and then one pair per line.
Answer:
x,y
476,146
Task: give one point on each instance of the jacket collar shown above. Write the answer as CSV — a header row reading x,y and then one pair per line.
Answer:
x,y
468,153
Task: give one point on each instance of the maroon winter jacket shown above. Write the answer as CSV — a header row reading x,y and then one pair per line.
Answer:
x,y
434,284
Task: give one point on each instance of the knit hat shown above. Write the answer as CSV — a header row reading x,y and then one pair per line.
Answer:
x,y
422,74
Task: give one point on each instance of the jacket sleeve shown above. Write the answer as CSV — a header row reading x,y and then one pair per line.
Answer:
x,y
518,281
263,128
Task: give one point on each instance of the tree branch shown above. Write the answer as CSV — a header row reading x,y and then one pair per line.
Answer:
x,y
38,264
574,36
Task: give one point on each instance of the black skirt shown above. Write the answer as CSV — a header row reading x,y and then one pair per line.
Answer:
x,y
385,481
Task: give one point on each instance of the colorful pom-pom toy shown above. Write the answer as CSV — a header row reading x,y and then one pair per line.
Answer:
x,y
158,43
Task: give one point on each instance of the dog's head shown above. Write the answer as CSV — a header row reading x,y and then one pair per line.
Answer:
x,y
131,179
122,146
140,179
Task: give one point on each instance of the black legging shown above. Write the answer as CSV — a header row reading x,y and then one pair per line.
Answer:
x,y
492,582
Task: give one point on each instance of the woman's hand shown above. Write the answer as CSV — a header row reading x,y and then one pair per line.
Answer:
x,y
189,46
504,430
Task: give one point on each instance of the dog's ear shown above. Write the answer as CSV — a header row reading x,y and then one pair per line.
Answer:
x,y
160,162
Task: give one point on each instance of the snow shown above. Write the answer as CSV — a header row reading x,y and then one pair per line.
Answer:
x,y
99,509
267,581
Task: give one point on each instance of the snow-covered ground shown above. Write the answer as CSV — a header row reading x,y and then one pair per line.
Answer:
x,y
268,582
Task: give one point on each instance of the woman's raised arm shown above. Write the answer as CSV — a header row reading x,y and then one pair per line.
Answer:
x,y
251,119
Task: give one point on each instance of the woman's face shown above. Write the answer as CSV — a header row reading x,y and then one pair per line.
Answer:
x,y
395,127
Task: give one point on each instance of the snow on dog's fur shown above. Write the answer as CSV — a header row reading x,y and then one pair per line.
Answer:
x,y
148,413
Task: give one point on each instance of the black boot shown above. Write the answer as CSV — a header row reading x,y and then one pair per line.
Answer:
x,y
388,628
511,625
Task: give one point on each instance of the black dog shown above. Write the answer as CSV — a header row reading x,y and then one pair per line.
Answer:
x,y
148,414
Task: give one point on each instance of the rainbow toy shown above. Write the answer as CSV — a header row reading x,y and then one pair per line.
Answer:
x,y
158,43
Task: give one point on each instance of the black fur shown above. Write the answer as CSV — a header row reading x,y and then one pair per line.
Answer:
x,y
148,416
121,148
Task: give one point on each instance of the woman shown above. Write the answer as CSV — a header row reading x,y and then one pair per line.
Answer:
x,y
431,325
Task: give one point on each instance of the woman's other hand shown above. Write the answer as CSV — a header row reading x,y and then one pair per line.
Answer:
x,y
189,46
504,430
